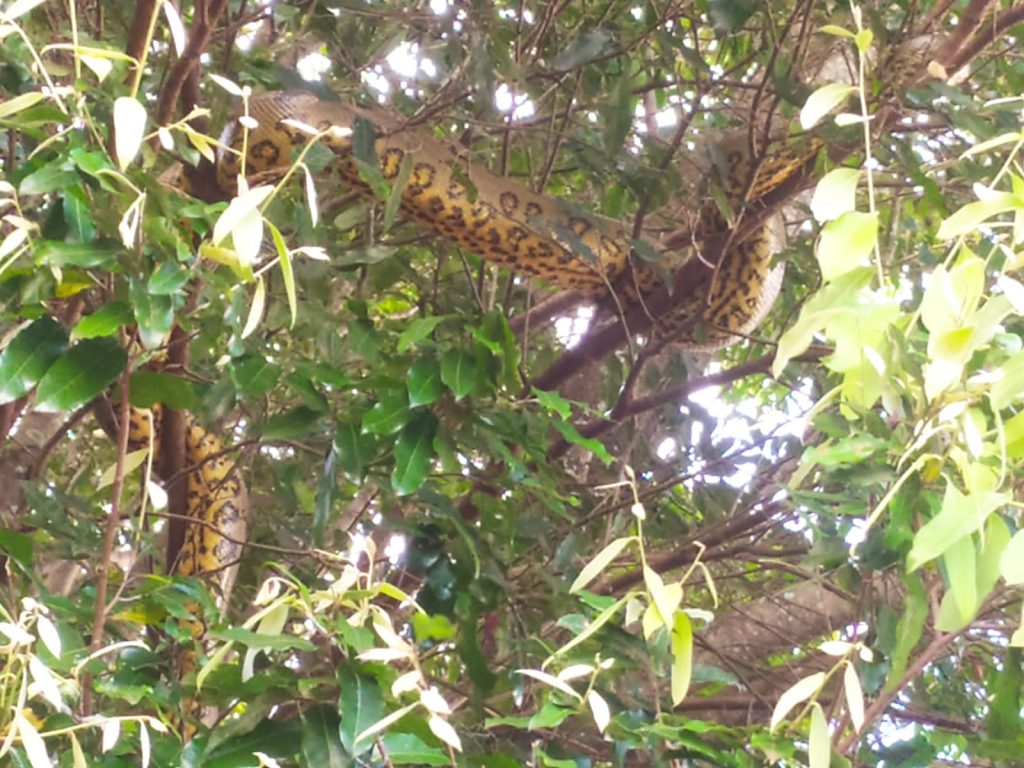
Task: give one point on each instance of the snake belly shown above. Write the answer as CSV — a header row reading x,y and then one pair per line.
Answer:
x,y
503,221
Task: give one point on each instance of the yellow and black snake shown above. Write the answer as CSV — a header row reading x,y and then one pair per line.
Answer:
x,y
505,222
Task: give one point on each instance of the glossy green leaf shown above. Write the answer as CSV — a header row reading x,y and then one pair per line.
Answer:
x,y
413,451
846,243
54,176
105,321
459,372
417,330
255,375
682,656
53,253
424,382
321,742
168,278
153,313
390,413
584,48
408,749
150,387
293,424
28,356
80,374
361,705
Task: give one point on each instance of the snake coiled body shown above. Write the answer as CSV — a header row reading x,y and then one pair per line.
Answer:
x,y
505,222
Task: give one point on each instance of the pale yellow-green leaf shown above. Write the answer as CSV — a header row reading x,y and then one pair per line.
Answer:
x,y
960,515
314,214
31,742
667,597
1011,564
227,85
444,731
132,461
835,647
410,681
651,621
846,243
272,623
165,137
19,8
994,143
835,194
432,699
822,101
382,654
129,128
201,143
972,215
259,297
144,746
863,39
239,207
45,684
77,755
601,561
599,709
819,745
552,681
247,237
16,104
800,691
576,671
951,617
682,656
844,119
1013,290
48,634
99,67
111,730
157,495
854,697
175,27
287,274
13,241
599,621
832,29
214,662
384,723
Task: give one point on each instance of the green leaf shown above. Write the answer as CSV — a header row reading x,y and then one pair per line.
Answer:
x,y
1012,560
599,562
98,253
168,278
413,451
254,375
350,446
1003,719
28,356
76,214
17,546
154,314
822,101
105,321
80,374
846,243
584,48
835,194
56,175
961,563
970,217
960,516
572,435
389,415
149,388
394,198
553,402
459,372
682,656
619,115
417,330
262,640
909,628
408,749
290,425
424,382
321,742
361,705
819,746
1010,386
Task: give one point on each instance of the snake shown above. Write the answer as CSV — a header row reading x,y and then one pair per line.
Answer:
x,y
446,193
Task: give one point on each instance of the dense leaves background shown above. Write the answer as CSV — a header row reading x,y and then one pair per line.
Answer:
x,y
421,508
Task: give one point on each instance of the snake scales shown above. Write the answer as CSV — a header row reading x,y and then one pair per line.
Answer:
x,y
495,217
